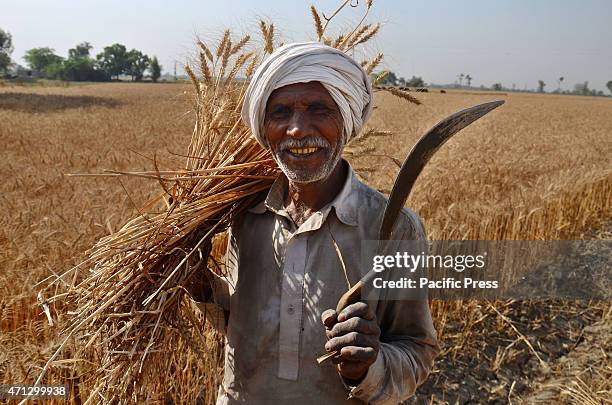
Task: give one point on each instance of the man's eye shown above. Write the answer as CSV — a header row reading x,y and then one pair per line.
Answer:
x,y
280,111
318,108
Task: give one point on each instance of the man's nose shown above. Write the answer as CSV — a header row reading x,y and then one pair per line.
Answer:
x,y
299,125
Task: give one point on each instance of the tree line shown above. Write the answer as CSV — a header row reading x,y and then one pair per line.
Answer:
x,y
465,80
391,79
79,65
115,60
579,89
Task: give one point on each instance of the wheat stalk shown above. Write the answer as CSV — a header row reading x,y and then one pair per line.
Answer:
x,y
380,77
373,64
236,48
364,37
403,94
204,69
205,49
222,43
317,22
349,39
267,30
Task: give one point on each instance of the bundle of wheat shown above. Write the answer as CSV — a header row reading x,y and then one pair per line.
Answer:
x,y
127,300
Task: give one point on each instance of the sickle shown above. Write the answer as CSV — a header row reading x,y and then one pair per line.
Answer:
x,y
416,160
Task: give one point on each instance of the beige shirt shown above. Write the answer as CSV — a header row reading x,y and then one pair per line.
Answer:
x,y
282,277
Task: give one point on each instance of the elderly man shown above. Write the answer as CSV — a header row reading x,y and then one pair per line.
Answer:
x,y
305,102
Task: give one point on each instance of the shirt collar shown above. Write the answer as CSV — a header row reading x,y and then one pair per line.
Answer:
x,y
344,204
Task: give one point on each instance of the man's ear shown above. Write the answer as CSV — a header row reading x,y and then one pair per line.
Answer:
x,y
345,139
264,137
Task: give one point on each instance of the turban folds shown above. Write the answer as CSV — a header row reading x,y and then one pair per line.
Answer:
x,y
345,80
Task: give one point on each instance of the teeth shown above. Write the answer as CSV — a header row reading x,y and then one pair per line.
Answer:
x,y
303,151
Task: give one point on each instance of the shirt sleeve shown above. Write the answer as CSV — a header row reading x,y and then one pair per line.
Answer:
x,y
408,342
216,307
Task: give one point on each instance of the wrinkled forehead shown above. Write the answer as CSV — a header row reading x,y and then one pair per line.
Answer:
x,y
301,93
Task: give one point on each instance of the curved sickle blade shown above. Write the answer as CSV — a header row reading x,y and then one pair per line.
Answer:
x,y
420,154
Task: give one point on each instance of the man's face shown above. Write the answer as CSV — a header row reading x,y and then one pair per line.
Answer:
x,y
304,129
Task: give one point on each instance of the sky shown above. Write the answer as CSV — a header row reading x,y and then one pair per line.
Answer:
x,y
514,42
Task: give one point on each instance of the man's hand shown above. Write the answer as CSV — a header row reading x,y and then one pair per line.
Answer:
x,y
198,286
356,334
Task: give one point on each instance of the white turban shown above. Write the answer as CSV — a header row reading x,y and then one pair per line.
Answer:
x,y
301,62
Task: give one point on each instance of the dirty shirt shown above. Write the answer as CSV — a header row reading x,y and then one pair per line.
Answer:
x,y
281,278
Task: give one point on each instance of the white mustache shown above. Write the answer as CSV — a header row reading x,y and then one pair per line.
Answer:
x,y
310,142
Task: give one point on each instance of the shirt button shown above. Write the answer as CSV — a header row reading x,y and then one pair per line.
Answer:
x,y
290,309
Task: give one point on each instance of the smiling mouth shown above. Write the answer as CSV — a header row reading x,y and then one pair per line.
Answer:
x,y
303,152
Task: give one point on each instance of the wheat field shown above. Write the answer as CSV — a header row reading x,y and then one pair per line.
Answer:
x,y
539,167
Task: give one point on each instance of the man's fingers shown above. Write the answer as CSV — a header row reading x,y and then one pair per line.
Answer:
x,y
353,362
355,334
329,317
359,325
352,339
359,310
360,354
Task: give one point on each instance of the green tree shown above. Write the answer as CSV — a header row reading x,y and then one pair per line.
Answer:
x,y
609,86
559,81
81,67
541,86
155,69
80,51
137,64
113,60
468,79
54,70
6,48
497,87
415,82
44,61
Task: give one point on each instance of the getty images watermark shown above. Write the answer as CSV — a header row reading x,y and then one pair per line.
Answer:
x,y
412,262
487,269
